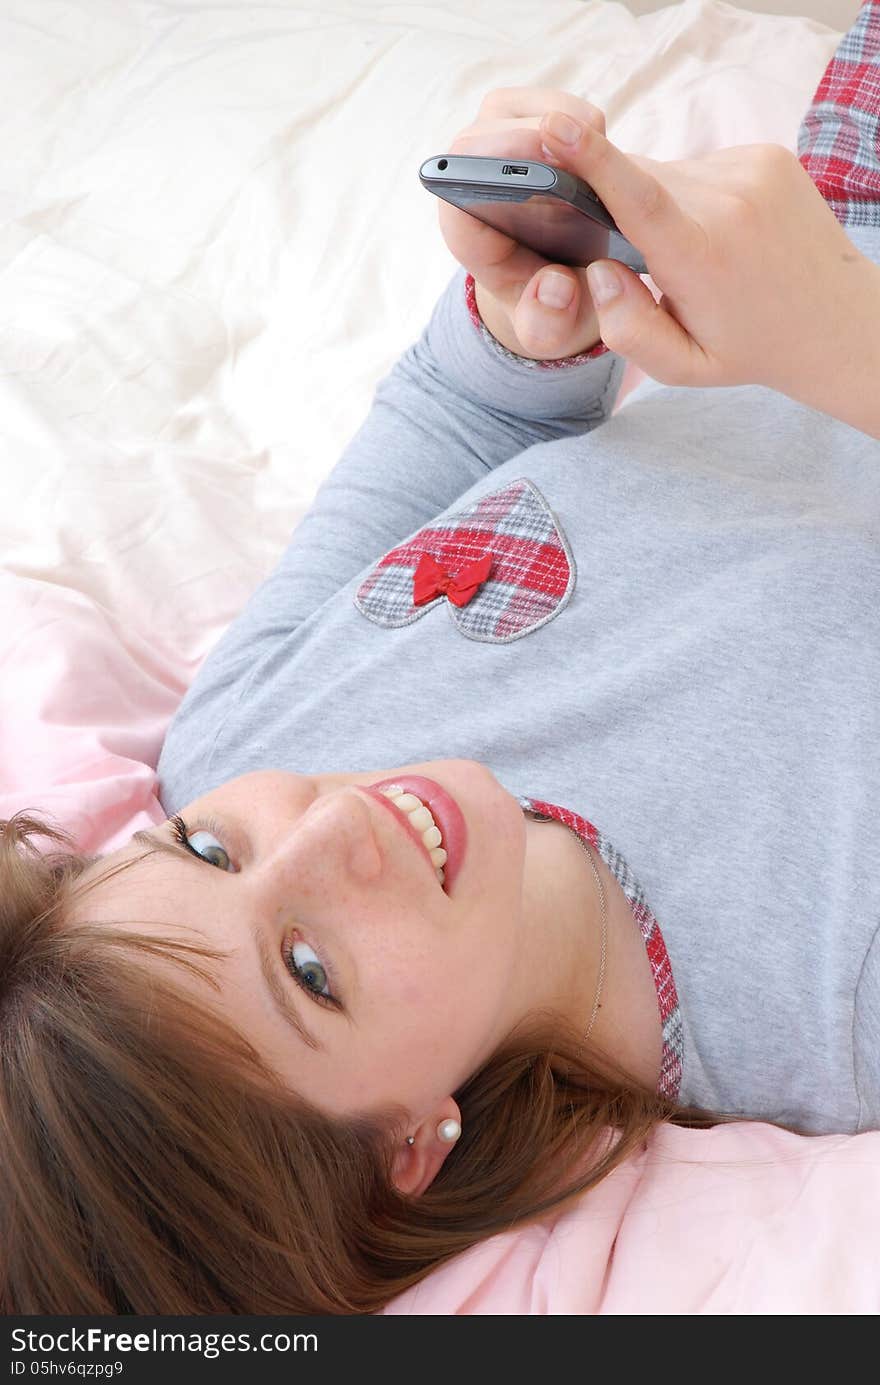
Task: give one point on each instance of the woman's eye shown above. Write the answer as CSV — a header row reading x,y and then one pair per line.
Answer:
x,y
307,969
215,855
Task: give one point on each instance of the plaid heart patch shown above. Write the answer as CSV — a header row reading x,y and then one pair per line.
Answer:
x,y
500,566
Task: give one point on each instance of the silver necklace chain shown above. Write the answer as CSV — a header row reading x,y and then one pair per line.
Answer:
x,y
547,817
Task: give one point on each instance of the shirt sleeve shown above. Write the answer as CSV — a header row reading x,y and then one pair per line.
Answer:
x,y
455,405
564,363
837,141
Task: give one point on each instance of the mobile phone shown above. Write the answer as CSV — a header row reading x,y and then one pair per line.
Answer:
x,y
548,209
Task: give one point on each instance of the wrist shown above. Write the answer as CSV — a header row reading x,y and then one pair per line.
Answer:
x,y
842,379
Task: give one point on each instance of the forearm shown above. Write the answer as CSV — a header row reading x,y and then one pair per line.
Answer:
x,y
843,379
450,410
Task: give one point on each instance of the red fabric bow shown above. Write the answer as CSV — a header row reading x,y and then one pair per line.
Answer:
x,y
430,580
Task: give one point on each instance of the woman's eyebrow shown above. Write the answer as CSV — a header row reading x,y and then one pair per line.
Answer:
x,y
281,999
175,848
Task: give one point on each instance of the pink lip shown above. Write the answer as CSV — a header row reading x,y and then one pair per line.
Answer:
x,y
445,811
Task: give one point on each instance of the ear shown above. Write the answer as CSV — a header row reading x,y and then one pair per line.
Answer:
x,y
416,1165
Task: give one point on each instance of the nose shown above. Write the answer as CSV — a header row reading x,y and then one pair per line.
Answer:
x,y
332,842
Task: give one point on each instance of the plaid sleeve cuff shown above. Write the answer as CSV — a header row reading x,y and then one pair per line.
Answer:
x,y
600,349
839,137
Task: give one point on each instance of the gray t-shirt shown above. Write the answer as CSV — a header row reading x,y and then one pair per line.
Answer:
x,y
678,640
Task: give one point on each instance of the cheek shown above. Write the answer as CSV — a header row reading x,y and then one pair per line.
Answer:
x,y
406,977
418,971
411,978
436,994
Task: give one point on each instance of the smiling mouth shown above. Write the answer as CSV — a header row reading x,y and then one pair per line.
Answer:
x,y
413,831
448,817
423,823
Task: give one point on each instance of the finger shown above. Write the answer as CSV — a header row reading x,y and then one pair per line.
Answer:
x,y
500,263
511,140
503,265
505,103
632,324
644,211
554,315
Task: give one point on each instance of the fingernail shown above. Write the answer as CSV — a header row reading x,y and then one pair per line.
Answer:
x,y
555,290
562,127
604,284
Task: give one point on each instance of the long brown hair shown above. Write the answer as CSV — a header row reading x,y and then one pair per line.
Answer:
x,y
151,1163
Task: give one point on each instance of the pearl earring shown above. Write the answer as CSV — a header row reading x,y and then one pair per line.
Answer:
x,y
448,1131
410,1139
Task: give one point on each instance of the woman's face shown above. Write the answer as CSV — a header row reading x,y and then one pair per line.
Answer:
x,y
337,928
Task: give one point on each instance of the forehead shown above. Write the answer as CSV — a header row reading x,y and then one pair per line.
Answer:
x,y
144,893
121,872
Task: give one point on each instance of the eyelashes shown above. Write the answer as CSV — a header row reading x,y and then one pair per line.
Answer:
x,y
296,972
215,829
182,835
180,832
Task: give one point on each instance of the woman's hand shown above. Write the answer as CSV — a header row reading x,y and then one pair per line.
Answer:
x,y
759,281
508,276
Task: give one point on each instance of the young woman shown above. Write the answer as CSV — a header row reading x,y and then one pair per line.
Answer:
x,y
530,801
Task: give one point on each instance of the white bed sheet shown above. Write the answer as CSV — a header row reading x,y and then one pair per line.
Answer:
x,y
213,244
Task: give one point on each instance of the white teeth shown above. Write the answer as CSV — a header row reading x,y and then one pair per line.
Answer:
x,y
422,820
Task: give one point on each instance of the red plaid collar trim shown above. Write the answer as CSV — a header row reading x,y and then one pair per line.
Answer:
x,y
669,1084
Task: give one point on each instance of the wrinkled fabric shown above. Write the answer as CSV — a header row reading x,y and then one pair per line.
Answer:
x,y
189,340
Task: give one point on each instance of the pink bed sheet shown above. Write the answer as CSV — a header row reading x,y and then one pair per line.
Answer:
x,y
739,1219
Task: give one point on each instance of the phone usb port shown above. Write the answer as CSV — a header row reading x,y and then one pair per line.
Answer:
x,y
515,168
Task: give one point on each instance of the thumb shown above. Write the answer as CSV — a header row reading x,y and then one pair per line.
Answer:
x,y
548,312
634,325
